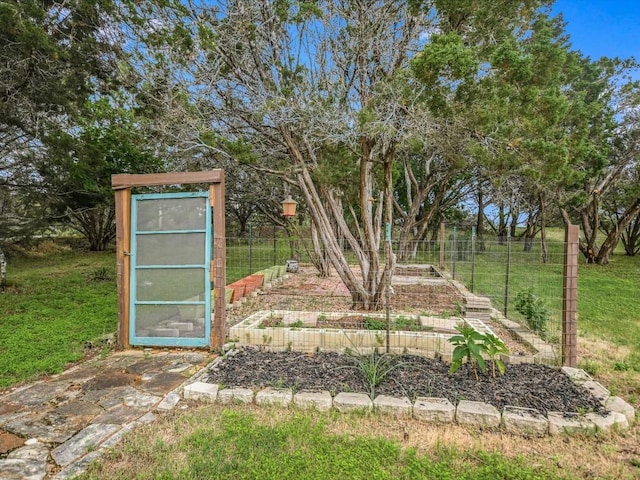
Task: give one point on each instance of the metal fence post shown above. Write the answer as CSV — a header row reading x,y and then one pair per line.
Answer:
x,y
442,240
454,252
274,246
570,297
250,249
506,279
473,256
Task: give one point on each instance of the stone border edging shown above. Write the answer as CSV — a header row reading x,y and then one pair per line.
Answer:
x,y
515,420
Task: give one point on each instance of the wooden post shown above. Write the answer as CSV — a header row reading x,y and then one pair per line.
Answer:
x,y
219,330
442,246
123,259
570,297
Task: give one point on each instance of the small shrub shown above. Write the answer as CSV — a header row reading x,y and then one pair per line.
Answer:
x,y
534,311
101,274
372,323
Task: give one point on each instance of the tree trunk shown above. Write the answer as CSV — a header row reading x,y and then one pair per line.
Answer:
x,y
543,229
320,259
631,237
97,225
502,225
3,270
609,244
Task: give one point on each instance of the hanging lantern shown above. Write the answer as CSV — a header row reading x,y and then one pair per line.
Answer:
x,y
289,207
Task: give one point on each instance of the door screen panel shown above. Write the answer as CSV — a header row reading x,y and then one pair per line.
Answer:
x,y
170,261
171,213
170,248
170,284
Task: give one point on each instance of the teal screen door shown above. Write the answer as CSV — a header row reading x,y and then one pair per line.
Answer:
x,y
170,270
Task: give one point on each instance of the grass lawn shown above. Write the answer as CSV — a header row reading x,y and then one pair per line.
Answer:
x,y
56,300
247,442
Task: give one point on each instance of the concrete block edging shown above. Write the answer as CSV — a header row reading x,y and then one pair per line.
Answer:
x,y
514,420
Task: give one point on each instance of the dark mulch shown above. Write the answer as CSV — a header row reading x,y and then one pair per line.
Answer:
x,y
527,385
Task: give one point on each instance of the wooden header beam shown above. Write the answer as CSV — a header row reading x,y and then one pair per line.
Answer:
x,y
126,180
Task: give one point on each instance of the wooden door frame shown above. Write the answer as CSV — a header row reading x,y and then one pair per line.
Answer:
x,y
122,184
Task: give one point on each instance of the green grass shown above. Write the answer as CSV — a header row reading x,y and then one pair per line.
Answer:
x,y
609,303
52,306
236,445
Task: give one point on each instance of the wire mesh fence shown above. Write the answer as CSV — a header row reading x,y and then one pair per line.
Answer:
x,y
501,285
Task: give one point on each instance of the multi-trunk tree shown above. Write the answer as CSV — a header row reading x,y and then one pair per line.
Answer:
x,y
325,96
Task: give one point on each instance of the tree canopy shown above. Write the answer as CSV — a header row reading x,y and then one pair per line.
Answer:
x,y
370,113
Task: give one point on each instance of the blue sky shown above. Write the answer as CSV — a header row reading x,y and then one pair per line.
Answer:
x,y
603,27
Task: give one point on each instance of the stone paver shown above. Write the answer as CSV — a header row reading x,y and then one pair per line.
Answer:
x,y
141,400
169,401
78,467
26,463
609,421
569,423
433,409
23,469
321,401
524,421
617,404
597,390
576,374
235,394
207,392
274,396
348,402
398,407
477,413
80,444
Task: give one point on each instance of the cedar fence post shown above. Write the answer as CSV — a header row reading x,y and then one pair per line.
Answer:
x,y
570,297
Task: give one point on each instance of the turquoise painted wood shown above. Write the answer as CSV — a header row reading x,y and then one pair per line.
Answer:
x,y
171,239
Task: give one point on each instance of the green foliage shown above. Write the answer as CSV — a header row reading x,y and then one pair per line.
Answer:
x,y
374,367
102,274
534,310
374,323
470,345
494,347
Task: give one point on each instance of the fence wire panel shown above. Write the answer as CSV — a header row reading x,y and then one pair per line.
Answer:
x,y
497,285
523,279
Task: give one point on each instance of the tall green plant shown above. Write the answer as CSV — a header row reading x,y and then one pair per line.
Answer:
x,y
495,347
470,345
375,367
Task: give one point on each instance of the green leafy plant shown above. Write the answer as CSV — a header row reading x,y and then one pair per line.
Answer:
x,y
470,345
375,367
297,324
534,310
494,347
373,323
